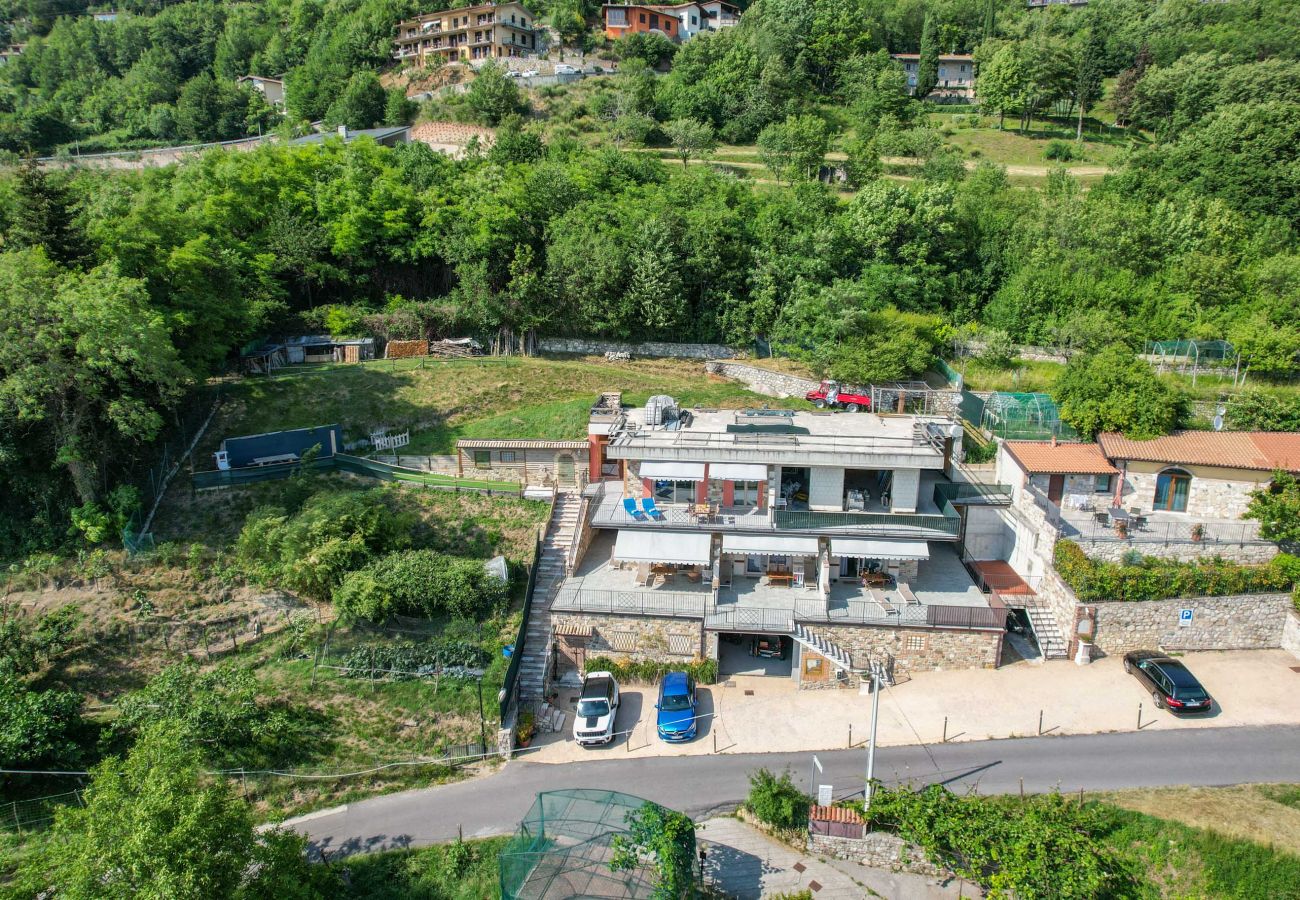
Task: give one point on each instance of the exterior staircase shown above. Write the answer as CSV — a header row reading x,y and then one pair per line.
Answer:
x,y
560,533
836,654
1050,640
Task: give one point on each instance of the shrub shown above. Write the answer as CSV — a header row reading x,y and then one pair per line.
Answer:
x,y
776,801
1062,151
420,583
1162,579
649,671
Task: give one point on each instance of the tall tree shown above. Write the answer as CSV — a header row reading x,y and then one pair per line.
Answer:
x,y
1088,75
1001,79
362,104
927,67
990,18
690,138
45,216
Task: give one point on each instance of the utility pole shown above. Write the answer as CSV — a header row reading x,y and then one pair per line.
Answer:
x,y
871,744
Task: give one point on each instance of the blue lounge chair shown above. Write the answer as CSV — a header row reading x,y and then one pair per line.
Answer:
x,y
629,506
648,504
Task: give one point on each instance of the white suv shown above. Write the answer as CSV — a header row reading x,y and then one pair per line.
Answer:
x,y
597,709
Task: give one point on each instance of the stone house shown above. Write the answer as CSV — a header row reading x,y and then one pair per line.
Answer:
x,y
562,463
1059,470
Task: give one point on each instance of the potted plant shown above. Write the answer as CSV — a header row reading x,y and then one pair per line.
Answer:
x,y
1121,527
526,728
1198,531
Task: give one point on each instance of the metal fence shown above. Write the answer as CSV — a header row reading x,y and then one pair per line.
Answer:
x,y
355,465
511,685
36,812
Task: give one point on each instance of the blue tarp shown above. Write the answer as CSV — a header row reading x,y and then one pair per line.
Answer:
x,y
243,451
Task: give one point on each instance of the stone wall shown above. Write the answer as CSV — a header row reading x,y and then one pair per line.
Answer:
x,y
877,850
760,380
637,637
1183,551
1241,622
1214,493
589,347
1291,632
917,649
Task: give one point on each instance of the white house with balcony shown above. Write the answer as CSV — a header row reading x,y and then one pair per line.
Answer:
x,y
825,529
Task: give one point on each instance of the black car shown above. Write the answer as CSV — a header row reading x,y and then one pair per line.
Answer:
x,y
1171,685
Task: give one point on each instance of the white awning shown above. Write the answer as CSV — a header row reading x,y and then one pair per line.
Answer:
x,y
662,547
738,471
864,549
673,471
769,544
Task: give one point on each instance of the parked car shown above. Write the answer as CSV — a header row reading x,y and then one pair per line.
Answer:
x,y
767,646
597,709
675,719
565,69
1172,686
831,394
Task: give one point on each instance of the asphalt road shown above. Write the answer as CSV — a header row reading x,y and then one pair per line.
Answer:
x,y
700,785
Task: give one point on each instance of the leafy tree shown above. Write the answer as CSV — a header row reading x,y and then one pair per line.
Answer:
x,y
1277,509
862,161
1002,80
514,144
1260,411
218,711
398,110
776,801
667,838
650,47
421,583
690,139
152,827
1088,76
208,110
492,95
362,104
37,726
927,67
795,148
1113,390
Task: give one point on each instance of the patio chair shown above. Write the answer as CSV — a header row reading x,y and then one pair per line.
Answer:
x,y
1140,523
1135,511
905,591
648,504
629,506
1102,519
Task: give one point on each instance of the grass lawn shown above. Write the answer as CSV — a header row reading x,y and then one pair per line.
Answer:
x,y
1030,376
979,137
1265,814
439,872
450,399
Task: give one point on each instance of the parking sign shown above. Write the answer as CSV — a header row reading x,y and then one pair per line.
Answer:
x,y
1184,618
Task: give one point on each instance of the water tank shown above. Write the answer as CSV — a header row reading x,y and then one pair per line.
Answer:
x,y
660,409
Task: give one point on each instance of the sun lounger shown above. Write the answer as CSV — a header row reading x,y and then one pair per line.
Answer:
x,y
629,506
648,504
905,591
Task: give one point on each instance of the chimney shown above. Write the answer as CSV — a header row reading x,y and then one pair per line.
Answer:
x,y
1053,440
343,132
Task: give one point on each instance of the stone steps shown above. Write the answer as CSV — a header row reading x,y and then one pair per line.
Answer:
x,y
560,534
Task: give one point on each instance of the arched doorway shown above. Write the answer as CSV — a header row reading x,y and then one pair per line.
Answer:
x,y
564,469
1173,486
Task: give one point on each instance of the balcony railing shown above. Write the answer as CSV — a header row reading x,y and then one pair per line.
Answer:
x,y
742,617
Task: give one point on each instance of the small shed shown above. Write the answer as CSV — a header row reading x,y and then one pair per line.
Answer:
x,y
323,348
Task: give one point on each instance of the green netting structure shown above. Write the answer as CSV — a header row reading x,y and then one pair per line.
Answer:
x,y
1197,353
1019,416
564,846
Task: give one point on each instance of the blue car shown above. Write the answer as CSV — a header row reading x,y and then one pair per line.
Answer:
x,y
676,719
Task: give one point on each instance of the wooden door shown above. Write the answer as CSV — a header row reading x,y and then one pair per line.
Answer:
x,y
1055,487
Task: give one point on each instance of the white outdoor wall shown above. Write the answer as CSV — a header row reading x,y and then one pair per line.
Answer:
x,y
826,492
906,490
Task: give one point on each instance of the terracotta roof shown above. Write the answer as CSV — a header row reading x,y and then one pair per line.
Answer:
x,y
1046,458
1226,449
834,814
960,57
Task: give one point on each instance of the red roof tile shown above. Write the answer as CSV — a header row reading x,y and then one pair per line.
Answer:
x,y
1227,449
834,814
1044,457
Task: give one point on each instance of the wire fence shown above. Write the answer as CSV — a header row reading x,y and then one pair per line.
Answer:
x,y
36,812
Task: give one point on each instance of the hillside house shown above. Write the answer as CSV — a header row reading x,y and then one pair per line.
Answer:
x,y
956,75
270,88
468,34
679,22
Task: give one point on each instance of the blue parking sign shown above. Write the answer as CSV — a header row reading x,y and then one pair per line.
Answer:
x,y
1184,618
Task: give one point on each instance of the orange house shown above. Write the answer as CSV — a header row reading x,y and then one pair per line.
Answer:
x,y
627,19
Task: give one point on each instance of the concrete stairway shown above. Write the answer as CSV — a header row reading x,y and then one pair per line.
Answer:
x,y
821,645
550,572
1050,640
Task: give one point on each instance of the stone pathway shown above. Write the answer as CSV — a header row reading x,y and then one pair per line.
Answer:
x,y
747,864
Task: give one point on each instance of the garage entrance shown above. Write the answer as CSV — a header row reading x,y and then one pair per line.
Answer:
x,y
755,654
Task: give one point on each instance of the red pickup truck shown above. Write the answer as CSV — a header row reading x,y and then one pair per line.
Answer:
x,y
831,395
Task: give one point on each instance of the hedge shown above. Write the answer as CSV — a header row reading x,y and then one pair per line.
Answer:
x,y
1163,579
704,671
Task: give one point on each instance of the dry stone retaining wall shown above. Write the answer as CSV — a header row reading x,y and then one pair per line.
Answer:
x,y
650,348
1182,551
1240,622
917,649
760,380
877,850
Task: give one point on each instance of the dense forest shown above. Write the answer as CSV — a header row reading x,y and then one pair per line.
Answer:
x,y
123,291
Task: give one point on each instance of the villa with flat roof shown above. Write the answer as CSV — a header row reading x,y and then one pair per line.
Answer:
x,y
706,532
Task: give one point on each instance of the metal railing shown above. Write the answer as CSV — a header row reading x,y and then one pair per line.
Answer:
x,y
642,603
957,493
511,683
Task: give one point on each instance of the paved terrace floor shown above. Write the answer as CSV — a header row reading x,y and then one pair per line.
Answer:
x,y
1161,527
943,581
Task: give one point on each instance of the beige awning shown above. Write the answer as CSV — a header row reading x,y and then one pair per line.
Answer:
x,y
672,471
645,545
738,471
861,548
769,544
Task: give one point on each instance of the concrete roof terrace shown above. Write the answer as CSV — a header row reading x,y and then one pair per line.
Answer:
x,y
786,437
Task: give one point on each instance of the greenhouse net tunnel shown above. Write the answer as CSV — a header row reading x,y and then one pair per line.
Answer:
x,y
564,847
1017,416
